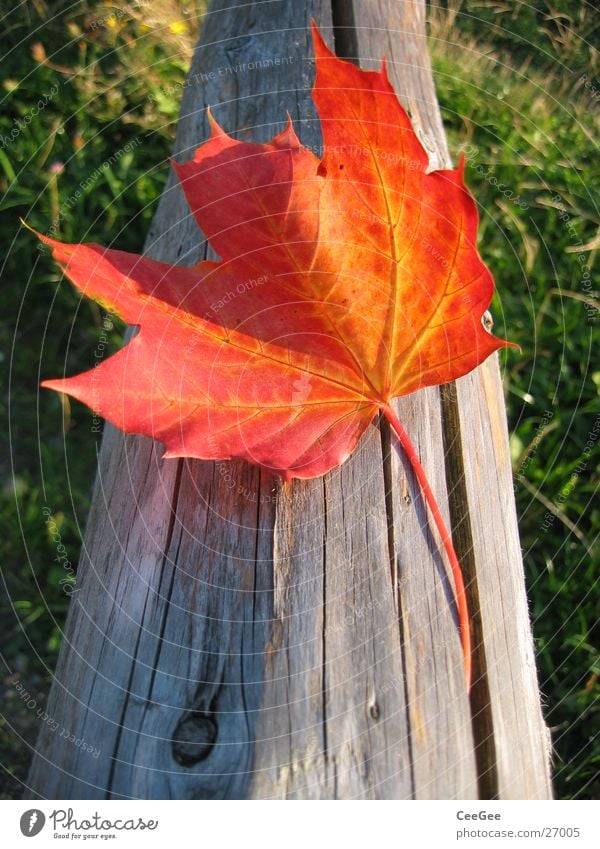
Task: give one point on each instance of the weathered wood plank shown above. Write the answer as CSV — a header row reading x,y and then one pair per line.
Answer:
x,y
232,637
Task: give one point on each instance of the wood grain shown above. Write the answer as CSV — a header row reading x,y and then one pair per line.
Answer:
x,y
232,637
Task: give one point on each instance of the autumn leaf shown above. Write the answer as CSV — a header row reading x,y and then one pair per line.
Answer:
x,y
343,282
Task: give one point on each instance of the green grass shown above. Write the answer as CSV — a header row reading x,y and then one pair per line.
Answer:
x,y
510,87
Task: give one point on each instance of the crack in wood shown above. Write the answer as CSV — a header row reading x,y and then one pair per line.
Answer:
x,y
462,537
344,30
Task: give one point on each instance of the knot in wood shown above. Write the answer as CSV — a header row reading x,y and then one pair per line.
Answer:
x,y
194,738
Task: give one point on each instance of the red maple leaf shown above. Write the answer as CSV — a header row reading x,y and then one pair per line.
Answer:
x,y
344,282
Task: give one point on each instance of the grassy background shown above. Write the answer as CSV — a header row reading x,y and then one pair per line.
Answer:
x,y
519,94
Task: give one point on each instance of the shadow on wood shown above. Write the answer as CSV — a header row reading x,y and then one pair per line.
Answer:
x,y
232,637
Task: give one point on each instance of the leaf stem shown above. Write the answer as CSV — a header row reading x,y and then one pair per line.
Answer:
x,y
461,598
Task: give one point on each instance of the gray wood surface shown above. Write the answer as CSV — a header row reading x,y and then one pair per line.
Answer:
x,y
234,637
